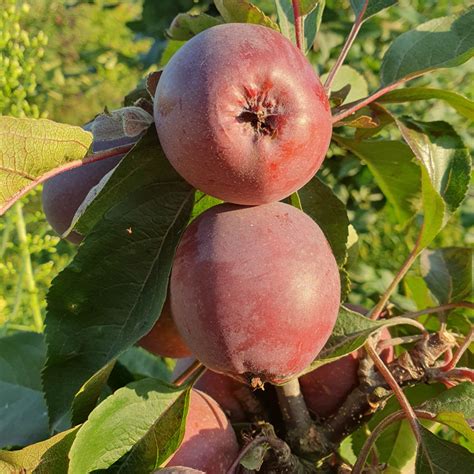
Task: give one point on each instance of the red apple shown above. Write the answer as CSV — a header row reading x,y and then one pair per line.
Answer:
x,y
255,291
209,442
242,115
164,339
229,393
65,192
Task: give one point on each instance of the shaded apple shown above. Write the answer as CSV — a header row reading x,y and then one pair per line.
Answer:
x,y
65,192
209,442
326,388
164,339
233,396
255,291
242,115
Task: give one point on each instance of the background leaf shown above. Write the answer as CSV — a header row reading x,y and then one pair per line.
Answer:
x,y
30,148
23,412
144,411
443,42
373,7
185,26
98,307
243,11
348,75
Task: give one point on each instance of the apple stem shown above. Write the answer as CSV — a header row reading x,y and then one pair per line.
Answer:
x,y
460,351
347,46
193,372
366,448
375,313
398,392
299,27
102,155
438,309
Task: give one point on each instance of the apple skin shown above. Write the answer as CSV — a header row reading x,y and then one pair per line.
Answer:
x,y
255,291
209,442
164,339
242,115
226,391
65,192
326,388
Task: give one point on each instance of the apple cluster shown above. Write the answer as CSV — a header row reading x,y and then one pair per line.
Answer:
x,y
254,289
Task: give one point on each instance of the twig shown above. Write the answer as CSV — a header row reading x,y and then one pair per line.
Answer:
x,y
28,268
369,442
395,341
398,392
458,354
299,34
398,277
347,46
438,309
195,369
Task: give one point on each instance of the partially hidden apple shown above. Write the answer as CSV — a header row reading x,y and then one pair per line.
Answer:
x,y
209,442
65,192
255,291
164,339
242,115
326,388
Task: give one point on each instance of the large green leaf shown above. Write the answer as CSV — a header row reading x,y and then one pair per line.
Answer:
x,y
394,170
30,149
445,164
443,42
23,412
113,291
459,103
311,21
243,11
146,417
46,457
448,273
373,7
438,456
319,202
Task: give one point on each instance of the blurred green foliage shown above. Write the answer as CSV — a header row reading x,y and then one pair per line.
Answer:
x,y
69,60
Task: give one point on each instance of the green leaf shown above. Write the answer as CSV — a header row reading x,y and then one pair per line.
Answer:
x,y
457,399
30,149
446,165
349,76
45,457
311,21
112,293
438,456
457,422
322,205
185,25
203,202
242,11
448,273
146,418
417,290
23,412
142,363
373,7
394,170
443,42
460,103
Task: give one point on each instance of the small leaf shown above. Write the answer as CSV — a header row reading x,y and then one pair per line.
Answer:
x,y
460,103
98,307
443,42
373,7
45,457
438,456
147,415
448,273
457,422
23,412
242,11
311,21
394,170
30,149
203,202
185,25
446,165
349,76
323,206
